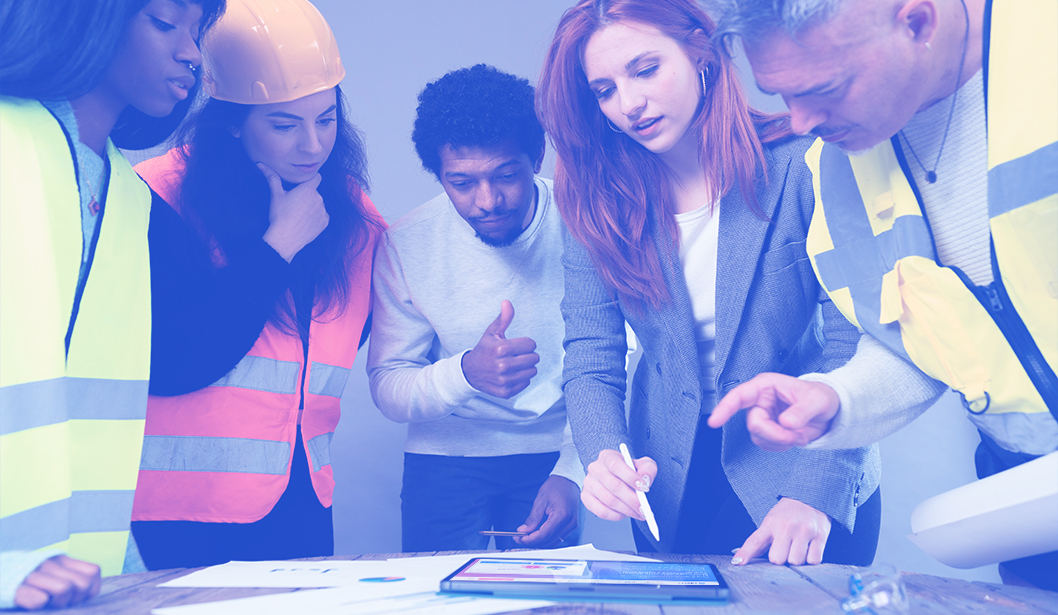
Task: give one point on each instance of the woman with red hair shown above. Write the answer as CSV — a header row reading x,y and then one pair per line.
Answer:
x,y
687,213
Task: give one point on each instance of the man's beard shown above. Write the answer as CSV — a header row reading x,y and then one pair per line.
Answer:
x,y
501,242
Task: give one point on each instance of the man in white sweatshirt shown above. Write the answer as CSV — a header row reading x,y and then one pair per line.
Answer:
x,y
466,340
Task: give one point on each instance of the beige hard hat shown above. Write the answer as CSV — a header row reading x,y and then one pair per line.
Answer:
x,y
269,51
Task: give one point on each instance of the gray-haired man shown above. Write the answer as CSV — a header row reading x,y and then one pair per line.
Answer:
x,y
940,236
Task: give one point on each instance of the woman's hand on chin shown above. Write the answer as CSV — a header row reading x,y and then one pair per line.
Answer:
x,y
295,217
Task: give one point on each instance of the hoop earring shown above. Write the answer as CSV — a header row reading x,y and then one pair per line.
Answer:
x,y
614,128
703,73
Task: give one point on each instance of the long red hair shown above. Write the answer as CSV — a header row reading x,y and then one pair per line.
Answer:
x,y
605,181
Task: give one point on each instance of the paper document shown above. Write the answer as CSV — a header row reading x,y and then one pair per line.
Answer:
x,y
292,574
341,573
406,584
347,601
438,567
1005,516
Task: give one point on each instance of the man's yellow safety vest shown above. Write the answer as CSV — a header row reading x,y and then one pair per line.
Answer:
x,y
74,361
872,249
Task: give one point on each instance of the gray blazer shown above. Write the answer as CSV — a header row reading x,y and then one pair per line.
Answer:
x,y
767,319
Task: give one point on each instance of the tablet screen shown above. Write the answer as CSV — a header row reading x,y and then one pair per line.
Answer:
x,y
661,580
611,573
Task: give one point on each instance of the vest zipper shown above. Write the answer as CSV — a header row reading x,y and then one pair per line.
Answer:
x,y
994,298
304,374
303,304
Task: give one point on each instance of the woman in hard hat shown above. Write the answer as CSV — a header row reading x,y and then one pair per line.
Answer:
x,y
78,79
261,282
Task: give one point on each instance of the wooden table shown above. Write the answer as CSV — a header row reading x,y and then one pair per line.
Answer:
x,y
759,588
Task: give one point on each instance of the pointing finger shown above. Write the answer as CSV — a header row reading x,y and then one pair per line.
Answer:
x,y
743,396
768,434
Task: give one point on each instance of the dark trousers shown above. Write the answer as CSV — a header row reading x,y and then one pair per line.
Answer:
x,y
1040,570
446,501
713,520
297,526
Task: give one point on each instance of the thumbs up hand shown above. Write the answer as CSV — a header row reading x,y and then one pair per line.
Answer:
x,y
295,217
499,366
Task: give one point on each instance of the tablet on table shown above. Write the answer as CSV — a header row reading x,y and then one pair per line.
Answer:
x,y
594,580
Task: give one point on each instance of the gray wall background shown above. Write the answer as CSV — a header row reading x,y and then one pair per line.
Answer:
x,y
391,50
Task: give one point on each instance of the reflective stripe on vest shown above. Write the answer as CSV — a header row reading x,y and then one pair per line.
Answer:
x,y
225,454
328,380
210,454
232,441
266,392
873,252
36,404
54,522
1024,181
71,421
273,376
263,374
320,450
1022,95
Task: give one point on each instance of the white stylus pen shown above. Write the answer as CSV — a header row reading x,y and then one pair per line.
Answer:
x,y
644,505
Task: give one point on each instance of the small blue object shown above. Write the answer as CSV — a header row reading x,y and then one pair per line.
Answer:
x,y
878,590
381,579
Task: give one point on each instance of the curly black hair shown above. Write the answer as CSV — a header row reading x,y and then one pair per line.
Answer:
x,y
478,106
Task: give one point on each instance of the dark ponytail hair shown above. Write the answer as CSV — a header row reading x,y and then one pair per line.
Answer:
x,y
226,198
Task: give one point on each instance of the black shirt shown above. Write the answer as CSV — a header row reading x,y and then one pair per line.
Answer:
x,y
205,318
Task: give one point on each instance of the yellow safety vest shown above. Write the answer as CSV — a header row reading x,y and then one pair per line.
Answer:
x,y
872,249
71,419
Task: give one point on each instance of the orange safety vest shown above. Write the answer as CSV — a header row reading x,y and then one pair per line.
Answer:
x,y
222,454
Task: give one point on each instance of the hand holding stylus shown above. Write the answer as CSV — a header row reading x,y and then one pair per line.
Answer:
x,y
644,505
611,486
